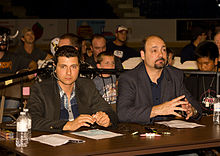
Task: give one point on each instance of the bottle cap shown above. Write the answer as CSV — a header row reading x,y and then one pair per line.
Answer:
x,y
25,109
22,113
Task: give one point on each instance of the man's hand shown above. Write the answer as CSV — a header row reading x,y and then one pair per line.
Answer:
x,y
189,109
80,121
102,119
168,108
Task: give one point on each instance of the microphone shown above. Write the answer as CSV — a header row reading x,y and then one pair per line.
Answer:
x,y
218,64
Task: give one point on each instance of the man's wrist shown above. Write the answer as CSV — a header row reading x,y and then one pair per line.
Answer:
x,y
153,112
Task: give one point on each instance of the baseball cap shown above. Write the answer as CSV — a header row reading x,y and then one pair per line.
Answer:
x,y
121,28
25,30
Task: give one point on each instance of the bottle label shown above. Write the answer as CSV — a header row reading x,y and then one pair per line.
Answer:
x,y
217,107
22,126
29,123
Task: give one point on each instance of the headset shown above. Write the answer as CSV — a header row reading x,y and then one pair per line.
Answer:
x,y
54,72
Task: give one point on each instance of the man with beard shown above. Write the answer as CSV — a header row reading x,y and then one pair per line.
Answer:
x,y
118,46
28,49
154,91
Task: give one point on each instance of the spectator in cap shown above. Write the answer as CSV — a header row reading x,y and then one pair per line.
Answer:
x,y
118,46
28,49
188,52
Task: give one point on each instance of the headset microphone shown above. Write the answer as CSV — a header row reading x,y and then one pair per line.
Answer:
x,y
54,74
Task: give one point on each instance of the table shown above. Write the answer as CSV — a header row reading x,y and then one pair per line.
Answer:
x,y
179,140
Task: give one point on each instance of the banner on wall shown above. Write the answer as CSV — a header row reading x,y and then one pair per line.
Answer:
x,y
86,28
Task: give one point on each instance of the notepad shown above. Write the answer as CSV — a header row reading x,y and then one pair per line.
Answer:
x,y
97,134
56,139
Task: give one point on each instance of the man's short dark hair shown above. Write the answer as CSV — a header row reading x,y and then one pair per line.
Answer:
x,y
97,36
146,39
75,40
197,31
207,49
104,53
67,51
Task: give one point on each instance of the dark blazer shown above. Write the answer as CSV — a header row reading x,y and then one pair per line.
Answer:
x,y
44,103
135,101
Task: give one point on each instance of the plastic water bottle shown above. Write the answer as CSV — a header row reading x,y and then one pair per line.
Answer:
x,y
29,123
216,112
22,131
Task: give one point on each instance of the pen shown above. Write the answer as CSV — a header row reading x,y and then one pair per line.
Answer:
x,y
135,133
76,141
149,134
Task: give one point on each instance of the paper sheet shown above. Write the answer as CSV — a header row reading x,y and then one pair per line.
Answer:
x,y
179,124
97,134
55,139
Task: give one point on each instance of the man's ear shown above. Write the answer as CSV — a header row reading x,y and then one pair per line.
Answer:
x,y
216,61
98,65
142,54
22,38
91,48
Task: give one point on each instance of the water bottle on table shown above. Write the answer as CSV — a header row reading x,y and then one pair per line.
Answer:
x,y
22,131
216,111
29,123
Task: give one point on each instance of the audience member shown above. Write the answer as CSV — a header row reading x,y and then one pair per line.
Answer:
x,y
188,52
11,64
106,83
154,91
207,56
217,41
118,46
98,45
86,50
170,55
70,39
67,102
28,48
204,86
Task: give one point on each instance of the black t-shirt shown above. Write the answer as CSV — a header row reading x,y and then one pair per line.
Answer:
x,y
188,53
11,63
123,52
203,88
36,54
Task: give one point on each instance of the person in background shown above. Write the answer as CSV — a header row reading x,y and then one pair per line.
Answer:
x,y
12,64
188,52
119,47
207,56
170,55
106,83
217,42
86,50
28,48
154,91
71,40
66,102
99,45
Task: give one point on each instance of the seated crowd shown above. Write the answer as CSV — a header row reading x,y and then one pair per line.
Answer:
x,y
68,100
